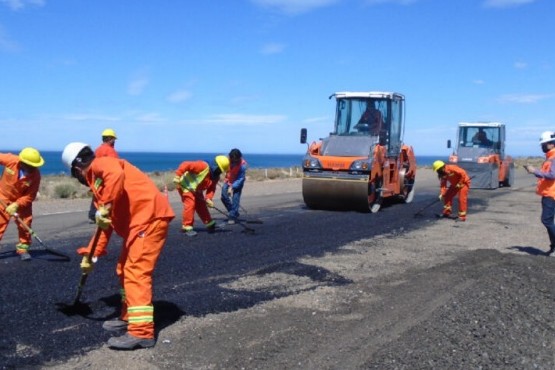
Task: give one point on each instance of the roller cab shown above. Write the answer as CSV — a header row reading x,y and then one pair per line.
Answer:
x,y
363,161
480,151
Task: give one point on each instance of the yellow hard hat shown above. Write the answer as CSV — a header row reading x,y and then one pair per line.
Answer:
x,y
31,156
223,162
109,132
437,165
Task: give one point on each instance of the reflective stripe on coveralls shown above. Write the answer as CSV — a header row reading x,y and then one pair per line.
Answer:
x,y
21,189
140,214
459,183
190,181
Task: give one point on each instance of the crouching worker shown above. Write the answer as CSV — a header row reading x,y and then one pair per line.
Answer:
x,y
459,184
19,186
130,204
192,179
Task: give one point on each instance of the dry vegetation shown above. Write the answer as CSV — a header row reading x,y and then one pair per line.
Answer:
x,y
66,187
60,186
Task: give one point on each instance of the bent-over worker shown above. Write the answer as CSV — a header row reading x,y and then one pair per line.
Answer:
x,y
459,184
19,186
130,204
192,179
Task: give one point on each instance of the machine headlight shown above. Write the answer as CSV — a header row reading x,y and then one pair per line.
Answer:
x,y
311,163
360,166
483,159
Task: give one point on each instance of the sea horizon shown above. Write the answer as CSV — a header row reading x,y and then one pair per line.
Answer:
x,y
169,161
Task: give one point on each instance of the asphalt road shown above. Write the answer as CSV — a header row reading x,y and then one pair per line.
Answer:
x,y
200,290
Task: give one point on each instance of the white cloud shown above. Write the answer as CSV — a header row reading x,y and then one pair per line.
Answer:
x,y
245,119
524,98
520,65
272,48
180,96
137,85
20,4
294,7
506,3
478,82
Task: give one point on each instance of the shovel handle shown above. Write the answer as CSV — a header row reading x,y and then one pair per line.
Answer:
x,y
84,275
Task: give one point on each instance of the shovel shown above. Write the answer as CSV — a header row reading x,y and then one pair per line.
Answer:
x,y
77,307
64,257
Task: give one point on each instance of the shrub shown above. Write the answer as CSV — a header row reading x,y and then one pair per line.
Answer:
x,y
65,191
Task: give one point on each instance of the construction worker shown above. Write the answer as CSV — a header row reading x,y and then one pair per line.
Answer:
x,y
106,149
459,184
233,184
19,186
371,120
130,204
191,179
546,185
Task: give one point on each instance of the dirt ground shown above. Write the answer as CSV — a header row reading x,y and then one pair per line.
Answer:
x,y
442,295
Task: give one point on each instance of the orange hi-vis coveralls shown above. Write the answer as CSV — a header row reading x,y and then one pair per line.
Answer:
x,y
106,150
459,183
140,214
195,179
15,186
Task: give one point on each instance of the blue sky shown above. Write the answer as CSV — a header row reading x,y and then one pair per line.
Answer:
x,y
206,76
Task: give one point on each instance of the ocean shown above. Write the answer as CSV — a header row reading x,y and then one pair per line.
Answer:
x,y
151,162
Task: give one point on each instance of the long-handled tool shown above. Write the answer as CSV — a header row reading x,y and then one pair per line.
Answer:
x,y
64,257
243,210
419,213
247,229
77,307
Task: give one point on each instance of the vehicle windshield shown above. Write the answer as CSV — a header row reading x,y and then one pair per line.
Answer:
x,y
479,137
361,116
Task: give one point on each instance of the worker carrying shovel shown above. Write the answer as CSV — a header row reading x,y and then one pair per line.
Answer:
x,y
459,184
19,186
129,203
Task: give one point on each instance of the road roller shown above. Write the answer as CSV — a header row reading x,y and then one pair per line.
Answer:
x,y
363,162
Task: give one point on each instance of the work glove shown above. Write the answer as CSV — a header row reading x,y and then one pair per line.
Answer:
x,y
209,203
12,209
440,197
460,185
177,180
86,265
102,219
230,191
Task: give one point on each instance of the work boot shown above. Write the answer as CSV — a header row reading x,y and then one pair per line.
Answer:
x,y
25,256
550,251
231,221
114,325
188,231
128,341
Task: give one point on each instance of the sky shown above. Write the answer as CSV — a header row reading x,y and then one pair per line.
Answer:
x,y
208,76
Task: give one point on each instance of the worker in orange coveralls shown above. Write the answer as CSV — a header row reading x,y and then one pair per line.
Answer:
x,y
192,178
130,204
106,149
18,189
459,184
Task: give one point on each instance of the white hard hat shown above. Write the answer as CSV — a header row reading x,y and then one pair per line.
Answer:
x,y
547,137
71,151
